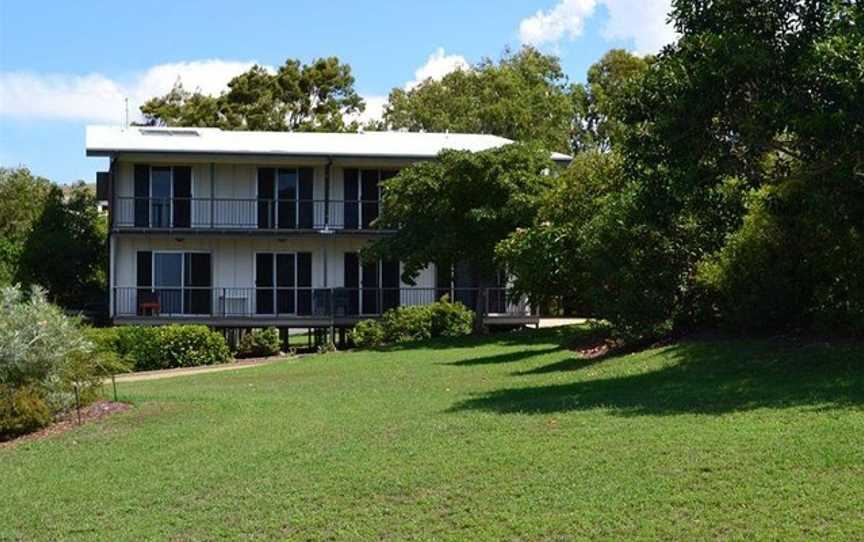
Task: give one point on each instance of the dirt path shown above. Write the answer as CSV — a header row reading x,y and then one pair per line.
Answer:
x,y
557,322
186,371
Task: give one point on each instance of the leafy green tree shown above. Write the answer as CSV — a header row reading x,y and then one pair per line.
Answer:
x,y
456,208
754,111
66,249
548,260
22,197
739,197
598,104
523,97
297,97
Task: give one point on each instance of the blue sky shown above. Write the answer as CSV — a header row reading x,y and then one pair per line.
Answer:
x,y
64,65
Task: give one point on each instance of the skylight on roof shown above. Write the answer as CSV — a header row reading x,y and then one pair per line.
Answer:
x,y
170,132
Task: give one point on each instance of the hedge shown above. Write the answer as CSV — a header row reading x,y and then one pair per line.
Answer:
x,y
414,323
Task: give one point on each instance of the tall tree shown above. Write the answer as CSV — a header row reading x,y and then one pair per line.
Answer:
x,y
599,103
297,97
522,97
22,198
66,249
741,196
456,208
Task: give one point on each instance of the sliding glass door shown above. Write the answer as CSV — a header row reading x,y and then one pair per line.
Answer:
x,y
182,281
163,196
285,198
168,281
362,193
160,197
286,191
283,283
373,287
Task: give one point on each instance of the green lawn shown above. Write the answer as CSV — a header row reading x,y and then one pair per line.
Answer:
x,y
508,437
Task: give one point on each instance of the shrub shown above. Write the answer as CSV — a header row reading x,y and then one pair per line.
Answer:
x,y
41,346
35,338
411,323
367,334
260,343
451,319
151,348
189,346
104,339
141,345
792,264
414,323
45,357
22,410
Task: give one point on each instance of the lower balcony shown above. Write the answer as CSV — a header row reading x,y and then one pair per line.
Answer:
x,y
302,307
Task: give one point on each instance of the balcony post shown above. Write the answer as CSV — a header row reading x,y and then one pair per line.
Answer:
x,y
212,174
332,317
327,171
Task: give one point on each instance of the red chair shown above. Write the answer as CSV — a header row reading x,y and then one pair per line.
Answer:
x,y
149,301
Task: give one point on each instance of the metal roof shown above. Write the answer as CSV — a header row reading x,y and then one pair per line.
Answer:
x,y
106,140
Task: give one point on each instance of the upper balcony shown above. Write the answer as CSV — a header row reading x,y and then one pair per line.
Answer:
x,y
247,215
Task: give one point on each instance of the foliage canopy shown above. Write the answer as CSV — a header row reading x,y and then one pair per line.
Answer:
x,y
296,97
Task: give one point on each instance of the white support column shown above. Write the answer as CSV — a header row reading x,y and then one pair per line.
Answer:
x,y
112,242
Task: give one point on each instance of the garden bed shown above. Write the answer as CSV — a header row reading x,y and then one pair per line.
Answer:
x,y
68,420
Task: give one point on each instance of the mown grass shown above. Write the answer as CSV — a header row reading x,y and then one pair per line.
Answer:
x,y
510,437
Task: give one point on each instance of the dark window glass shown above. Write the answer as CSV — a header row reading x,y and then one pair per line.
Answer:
x,y
266,206
351,195
160,197
286,189
182,196
264,291
142,196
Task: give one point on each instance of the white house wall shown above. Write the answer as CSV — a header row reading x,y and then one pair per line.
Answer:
x,y
233,258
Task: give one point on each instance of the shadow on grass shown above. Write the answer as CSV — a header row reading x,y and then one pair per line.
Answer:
x,y
569,364
521,338
701,378
508,357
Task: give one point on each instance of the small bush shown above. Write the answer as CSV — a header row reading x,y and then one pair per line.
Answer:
x,y
166,347
190,346
140,344
40,346
451,319
22,410
104,339
411,323
260,343
367,334
414,323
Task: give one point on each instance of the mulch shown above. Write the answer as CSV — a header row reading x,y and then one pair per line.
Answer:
x,y
67,421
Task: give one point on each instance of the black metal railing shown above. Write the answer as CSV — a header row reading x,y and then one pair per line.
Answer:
x,y
300,302
244,213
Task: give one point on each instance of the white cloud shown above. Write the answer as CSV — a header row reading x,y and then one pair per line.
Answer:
x,y
568,17
437,66
643,21
645,24
98,98
374,110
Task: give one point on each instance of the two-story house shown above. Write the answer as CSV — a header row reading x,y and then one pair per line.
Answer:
x,y
252,229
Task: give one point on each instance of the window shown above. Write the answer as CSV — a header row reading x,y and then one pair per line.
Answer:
x,y
372,288
362,193
283,283
181,281
285,197
163,196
